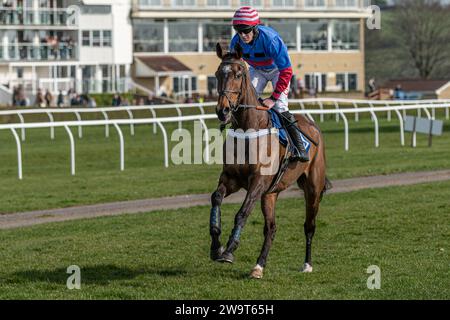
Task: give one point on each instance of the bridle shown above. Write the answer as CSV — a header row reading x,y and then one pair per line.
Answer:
x,y
225,92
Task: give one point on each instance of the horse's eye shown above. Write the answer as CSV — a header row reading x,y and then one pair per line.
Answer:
x,y
239,75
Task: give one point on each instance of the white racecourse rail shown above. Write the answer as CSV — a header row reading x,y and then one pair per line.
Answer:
x,y
202,117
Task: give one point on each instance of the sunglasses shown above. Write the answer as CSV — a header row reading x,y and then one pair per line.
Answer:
x,y
245,31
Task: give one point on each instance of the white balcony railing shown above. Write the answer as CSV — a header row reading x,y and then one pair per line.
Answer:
x,y
307,5
29,16
29,52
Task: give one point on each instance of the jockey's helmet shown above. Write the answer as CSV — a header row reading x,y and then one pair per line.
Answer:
x,y
245,19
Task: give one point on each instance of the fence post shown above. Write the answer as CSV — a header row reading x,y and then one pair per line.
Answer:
x,y
130,114
80,128
106,126
166,145
346,130
52,129
375,119
122,147
402,131
19,153
22,121
72,150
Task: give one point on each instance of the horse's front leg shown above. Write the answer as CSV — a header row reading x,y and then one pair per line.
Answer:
x,y
225,188
254,193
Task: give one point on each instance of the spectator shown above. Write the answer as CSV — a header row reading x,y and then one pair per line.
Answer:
x,y
48,98
75,100
162,91
125,102
40,101
60,102
372,85
20,97
116,101
14,96
399,94
91,102
141,101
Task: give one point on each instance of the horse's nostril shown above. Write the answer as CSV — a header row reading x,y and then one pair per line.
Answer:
x,y
225,111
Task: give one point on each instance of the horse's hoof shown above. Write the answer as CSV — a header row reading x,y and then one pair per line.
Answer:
x,y
257,272
226,257
307,268
216,254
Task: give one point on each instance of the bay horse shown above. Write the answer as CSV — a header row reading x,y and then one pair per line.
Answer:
x,y
238,104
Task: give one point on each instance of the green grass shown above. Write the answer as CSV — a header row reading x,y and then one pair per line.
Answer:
x,y
165,255
47,181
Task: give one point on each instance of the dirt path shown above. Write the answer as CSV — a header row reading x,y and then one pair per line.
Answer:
x,y
23,219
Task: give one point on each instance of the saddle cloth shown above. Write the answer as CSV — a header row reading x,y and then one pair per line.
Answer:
x,y
282,134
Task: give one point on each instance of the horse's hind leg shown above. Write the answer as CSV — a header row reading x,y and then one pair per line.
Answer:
x,y
226,187
268,209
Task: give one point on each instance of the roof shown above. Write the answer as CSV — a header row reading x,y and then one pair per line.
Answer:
x,y
164,64
416,84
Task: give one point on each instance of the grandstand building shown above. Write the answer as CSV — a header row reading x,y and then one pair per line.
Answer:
x,y
174,41
62,44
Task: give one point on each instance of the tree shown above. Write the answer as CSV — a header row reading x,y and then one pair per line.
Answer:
x,y
423,30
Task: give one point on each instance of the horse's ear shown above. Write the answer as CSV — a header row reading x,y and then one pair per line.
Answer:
x,y
238,51
219,50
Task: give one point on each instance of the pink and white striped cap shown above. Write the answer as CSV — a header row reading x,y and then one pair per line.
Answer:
x,y
247,16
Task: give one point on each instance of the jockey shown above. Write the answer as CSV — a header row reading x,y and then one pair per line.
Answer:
x,y
267,56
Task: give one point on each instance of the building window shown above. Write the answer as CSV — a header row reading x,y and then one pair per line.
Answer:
x,y
345,35
347,81
86,38
212,85
185,85
340,81
314,35
149,3
184,3
282,3
95,9
148,35
216,32
19,72
352,81
314,4
316,81
287,30
106,38
346,3
183,35
96,38
218,3
252,3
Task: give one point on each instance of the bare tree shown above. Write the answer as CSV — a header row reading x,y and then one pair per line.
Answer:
x,y
423,29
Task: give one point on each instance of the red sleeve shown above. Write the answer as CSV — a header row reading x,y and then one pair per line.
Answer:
x,y
283,82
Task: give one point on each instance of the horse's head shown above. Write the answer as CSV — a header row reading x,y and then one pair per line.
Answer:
x,y
231,76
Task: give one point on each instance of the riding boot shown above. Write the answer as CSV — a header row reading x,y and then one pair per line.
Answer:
x,y
289,123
